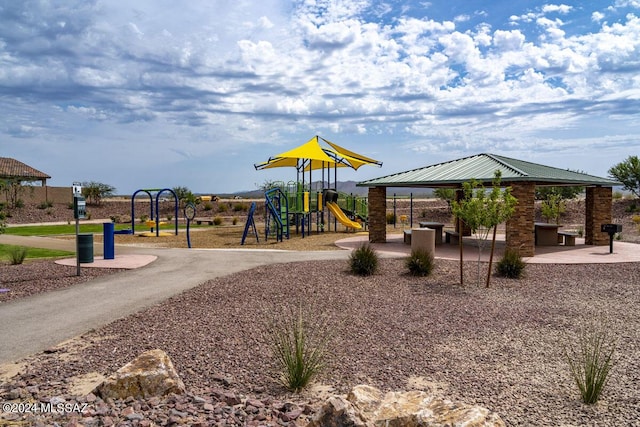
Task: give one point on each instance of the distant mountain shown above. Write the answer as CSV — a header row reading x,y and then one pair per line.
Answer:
x,y
348,187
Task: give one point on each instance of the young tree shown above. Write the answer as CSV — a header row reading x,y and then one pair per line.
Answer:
x,y
96,191
552,207
628,173
13,189
185,196
482,212
446,194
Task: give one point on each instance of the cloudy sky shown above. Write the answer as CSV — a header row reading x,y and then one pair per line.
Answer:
x,y
164,93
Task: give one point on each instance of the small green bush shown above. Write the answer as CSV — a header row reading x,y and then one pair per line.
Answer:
x,y
511,265
217,220
235,220
222,207
240,207
17,255
298,341
592,360
420,263
207,206
45,205
391,218
631,208
363,261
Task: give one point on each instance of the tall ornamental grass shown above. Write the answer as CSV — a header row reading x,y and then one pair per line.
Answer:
x,y
591,362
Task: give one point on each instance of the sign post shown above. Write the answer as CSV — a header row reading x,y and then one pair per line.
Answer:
x,y
79,212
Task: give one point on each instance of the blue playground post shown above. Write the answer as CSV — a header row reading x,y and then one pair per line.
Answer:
x,y
108,229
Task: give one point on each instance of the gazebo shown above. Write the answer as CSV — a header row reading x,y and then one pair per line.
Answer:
x,y
12,169
522,176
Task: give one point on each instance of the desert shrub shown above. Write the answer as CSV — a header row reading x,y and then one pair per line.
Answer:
x,y
617,195
580,232
511,265
169,217
235,220
222,207
17,255
298,340
144,218
591,362
19,204
631,208
239,207
49,212
420,262
45,205
217,220
207,206
115,219
363,261
391,218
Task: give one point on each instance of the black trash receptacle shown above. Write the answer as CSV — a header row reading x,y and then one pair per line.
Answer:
x,y
85,248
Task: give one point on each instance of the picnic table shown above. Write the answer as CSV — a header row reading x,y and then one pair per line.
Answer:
x,y
437,226
546,234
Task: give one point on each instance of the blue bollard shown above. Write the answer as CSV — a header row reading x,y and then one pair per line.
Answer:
x,y
109,245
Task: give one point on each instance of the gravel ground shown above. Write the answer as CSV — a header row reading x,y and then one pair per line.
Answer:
x,y
500,347
34,277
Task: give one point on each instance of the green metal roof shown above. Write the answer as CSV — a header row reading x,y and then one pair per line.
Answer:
x,y
482,167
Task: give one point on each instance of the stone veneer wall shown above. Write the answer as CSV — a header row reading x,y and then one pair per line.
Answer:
x,y
520,230
597,212
377,214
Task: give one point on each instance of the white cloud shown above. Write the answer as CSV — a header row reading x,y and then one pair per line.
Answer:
x,y
560,8
200,77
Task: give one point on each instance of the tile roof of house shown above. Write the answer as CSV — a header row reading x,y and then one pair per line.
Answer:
x,y
12,168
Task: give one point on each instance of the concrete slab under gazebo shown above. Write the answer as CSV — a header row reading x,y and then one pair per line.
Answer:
x,y
522,176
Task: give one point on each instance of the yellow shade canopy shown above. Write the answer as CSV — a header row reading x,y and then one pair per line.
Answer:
x,y
311,155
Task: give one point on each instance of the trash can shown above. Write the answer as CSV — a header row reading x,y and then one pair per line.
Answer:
x,y
85,248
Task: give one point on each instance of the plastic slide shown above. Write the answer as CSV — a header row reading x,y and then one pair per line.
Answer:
x,y
342,217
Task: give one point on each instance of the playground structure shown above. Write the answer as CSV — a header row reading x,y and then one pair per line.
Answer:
x,y
297,203
154,215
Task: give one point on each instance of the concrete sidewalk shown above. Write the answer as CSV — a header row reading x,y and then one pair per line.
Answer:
x,y
33,324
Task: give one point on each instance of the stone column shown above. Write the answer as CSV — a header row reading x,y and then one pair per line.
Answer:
x,y
597,212
520,227
377,214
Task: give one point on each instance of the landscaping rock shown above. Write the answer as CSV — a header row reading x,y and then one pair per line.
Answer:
x,y
368,406
150,374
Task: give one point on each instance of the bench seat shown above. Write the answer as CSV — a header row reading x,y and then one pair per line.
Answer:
x,y
452,237
407,237
569,237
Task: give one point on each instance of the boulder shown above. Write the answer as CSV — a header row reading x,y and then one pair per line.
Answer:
x,y
150,374
368,406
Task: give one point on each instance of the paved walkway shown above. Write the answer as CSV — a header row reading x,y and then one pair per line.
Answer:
x,y
33,324
578,254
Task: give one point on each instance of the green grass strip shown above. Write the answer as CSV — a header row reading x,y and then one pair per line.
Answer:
x,y
5,252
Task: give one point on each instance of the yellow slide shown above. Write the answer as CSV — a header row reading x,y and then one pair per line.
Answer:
x,y
342,217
